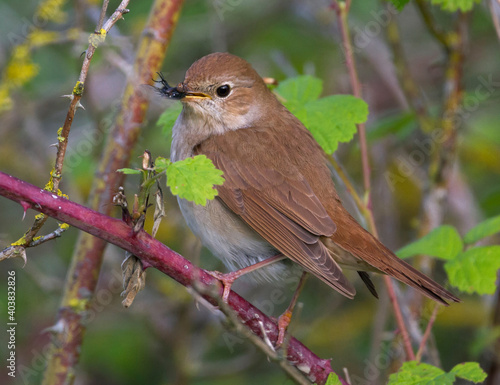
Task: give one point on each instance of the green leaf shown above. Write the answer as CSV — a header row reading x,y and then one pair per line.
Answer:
x,y
414,373
455,5
475,270
194,179
442,379
333,379
443,242
331,119
299,91
399,4
129,171
470,371
168,117
161,164
482,230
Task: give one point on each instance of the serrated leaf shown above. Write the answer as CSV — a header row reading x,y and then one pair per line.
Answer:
x,y
455,5
414,373
331,119
482,230
167,119
333,379
161,164
475,270
399,4
299,90
443,242
194,179
129,171
470,371
443,379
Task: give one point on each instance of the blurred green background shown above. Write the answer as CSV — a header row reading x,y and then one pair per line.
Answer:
x,y
166,337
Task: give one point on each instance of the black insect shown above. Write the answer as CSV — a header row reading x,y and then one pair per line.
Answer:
x,y
166,90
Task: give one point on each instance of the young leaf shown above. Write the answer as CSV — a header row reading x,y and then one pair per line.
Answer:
x,y
475,270
299,91
194,179
129,171
414,373
331,119
482,230
167,119
161,164
442,379
470,371
455,5
333,379
443,242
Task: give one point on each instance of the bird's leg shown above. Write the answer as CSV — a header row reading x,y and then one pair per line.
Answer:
x,y
228,279
285,318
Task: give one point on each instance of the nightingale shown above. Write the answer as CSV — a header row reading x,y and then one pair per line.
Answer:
x,y
278,197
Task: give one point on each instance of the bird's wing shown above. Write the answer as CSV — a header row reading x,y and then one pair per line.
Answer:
x,y
274,199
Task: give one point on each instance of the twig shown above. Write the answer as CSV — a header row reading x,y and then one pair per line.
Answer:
x,y
494,6
87,258
347,182
444,154
342,9
408,84
494,371
155,254
75,97
262,343
362,207
53,235
432,26
427,333
102,15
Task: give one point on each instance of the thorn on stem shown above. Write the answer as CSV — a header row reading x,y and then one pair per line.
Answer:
x,y
25,205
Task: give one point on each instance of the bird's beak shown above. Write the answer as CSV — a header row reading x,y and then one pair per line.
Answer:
x,y
179,92
196,95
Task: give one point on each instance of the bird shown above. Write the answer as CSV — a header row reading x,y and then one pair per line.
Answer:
x,y
278,200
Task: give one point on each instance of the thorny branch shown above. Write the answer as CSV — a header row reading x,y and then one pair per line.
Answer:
x,y
155,254
63,133
88,255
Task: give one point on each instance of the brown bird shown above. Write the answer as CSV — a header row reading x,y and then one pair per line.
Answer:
x,y
278,197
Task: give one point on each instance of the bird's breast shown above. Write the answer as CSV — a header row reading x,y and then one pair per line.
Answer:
x,y
227,236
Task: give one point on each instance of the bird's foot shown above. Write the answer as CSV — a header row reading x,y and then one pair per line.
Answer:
x,y
227,280
283,322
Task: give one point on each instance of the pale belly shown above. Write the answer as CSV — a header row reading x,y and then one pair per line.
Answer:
x,y
230,239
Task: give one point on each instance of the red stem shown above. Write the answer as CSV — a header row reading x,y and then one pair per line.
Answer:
x,y
342,10
156,254
427,333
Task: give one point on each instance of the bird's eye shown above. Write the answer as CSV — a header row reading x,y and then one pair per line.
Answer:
x,y
223,90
